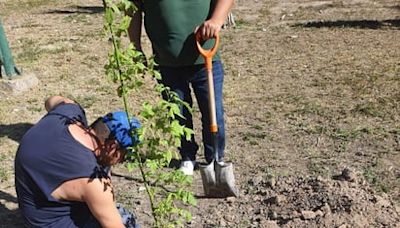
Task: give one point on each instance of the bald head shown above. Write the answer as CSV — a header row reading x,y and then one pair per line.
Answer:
x,y
53,101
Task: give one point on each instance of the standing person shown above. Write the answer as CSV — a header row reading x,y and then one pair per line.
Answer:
x,y
171,26
62,168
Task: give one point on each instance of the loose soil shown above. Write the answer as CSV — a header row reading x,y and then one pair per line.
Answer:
x,y
311,97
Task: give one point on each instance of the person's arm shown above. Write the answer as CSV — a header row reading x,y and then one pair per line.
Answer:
x,y
97,194
212,26
135,27
53,101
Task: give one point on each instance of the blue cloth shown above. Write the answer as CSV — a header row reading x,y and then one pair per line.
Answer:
x,y
128,219
117,123
48,155
179,79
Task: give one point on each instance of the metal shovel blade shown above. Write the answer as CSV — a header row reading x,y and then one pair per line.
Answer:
x,y
218,180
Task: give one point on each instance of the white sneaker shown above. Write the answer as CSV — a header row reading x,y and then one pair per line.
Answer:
x,y
187,167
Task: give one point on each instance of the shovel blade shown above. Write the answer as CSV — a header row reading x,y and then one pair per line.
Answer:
x,y
208,177
218,180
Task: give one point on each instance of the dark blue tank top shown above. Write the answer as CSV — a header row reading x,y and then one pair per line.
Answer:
x,y
48,155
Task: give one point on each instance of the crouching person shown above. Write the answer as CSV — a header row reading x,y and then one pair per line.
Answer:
x,y
62,168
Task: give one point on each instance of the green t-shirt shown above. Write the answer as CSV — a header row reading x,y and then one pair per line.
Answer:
x,y
170,25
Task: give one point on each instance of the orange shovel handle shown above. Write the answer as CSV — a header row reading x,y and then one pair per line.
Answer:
x,y
208,56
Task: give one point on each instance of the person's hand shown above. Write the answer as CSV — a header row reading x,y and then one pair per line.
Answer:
x,y
209,29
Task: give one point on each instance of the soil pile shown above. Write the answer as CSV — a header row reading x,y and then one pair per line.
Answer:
x,y
343,201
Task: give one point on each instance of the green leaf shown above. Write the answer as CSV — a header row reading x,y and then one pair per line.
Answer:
x,y
125,23
176,109
191,199
131,166
115,9
128,5
168,156
147,111
152,164
176,128
109,16
188,133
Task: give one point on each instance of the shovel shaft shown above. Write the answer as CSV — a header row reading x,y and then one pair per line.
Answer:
x,y
211,102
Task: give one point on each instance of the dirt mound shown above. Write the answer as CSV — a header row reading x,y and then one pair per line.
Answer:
x,y
345,200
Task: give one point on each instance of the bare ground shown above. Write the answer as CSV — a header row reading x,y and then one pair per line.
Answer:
x,y
312,88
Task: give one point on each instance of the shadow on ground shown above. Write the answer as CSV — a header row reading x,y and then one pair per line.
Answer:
x,y
10,217
14,131
363,24
78,9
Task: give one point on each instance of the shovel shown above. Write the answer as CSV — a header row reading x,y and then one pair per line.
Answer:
x,y
218,179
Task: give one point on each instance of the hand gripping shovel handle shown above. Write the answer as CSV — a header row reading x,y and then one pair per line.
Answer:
x,y
208,56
